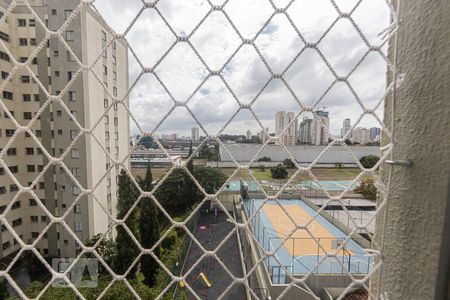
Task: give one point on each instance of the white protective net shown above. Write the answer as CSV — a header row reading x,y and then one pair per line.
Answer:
x,y
262,250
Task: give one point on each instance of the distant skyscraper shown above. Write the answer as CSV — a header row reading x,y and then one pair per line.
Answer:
x,y
319,136
195,134
305,131
248,135
374,134
360,135
345,127
263,134
282,121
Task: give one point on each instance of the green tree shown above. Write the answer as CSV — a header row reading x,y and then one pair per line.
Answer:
x,y
288,163
262,168
189,188
127,250
149,229
106,249
211,154
369,161
170,192
339,166
211,179
279,172
367,189
3,289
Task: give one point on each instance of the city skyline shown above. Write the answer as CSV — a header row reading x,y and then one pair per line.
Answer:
x,y
246,74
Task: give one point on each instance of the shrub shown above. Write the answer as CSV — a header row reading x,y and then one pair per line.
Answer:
x,y
279,172
265,158
369,161
262,168
288,163
367,189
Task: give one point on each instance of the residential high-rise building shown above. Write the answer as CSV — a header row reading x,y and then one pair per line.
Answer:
x,y
195,134
360,135
286,121
374,134
320,136
345,127
305,131
248,135
263,134
88,100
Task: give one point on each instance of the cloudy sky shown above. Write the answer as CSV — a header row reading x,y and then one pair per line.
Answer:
x,y
216,41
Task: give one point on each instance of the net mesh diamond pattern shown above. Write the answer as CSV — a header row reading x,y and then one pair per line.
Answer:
x,y
194,41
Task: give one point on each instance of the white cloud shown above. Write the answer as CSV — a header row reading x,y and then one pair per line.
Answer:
x,y
215,40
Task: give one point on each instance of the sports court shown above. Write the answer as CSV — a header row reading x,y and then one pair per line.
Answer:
x,y
301,253
329,185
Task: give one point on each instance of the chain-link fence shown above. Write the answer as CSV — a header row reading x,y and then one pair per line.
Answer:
x,y
67,84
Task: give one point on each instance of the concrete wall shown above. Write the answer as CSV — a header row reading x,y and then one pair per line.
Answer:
x,y
419,194
303,154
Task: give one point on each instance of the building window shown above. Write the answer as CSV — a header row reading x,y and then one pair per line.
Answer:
x,y
31,168
69,75
38,133
77,208
27,115
56,53
57,73
11,152
75,190
72,96
78,226
5,75
4,36
14,169
105,103
23,59
26,97
114,76
7,95
114,60
32,202
16,205
4,56
29,151
116,136
22,22
33,42
34,235
16,222
116,121
76,172
13,188
43,218
9,132
70,57
107,135
73,134
36,98
25,79
23,42
69,35
106,119
32,22
54,12
2,190
105,70
34,219
41,185
115,91
67,13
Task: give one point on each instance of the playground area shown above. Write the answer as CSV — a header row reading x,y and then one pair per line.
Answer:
x,y
208,278
305,251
